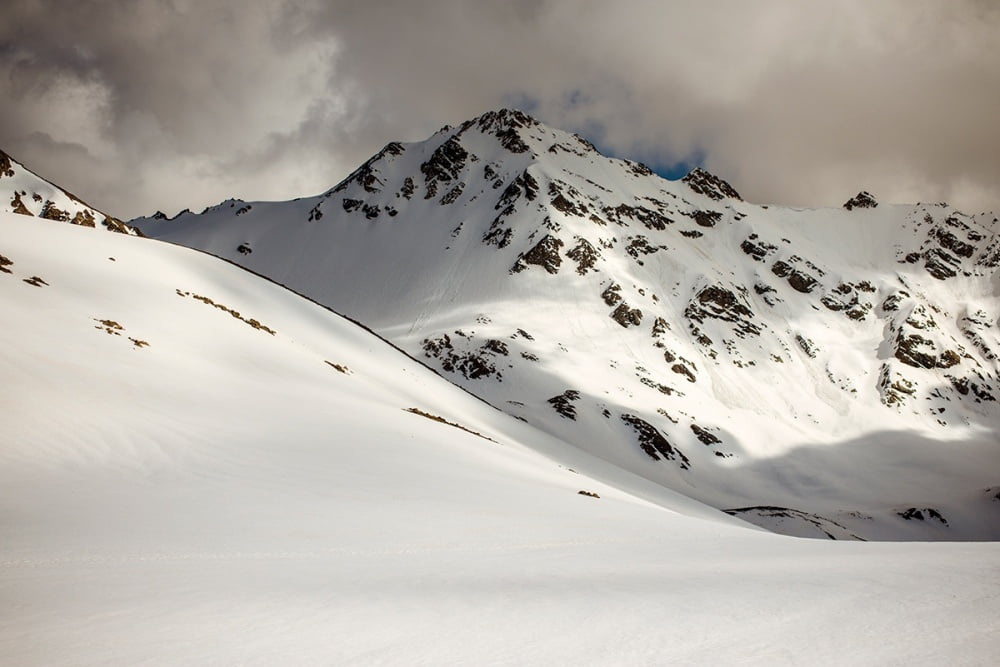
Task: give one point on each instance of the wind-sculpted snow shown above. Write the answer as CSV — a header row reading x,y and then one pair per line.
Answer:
x,y
677,303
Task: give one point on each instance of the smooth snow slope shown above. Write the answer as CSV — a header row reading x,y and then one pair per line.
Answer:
x,y
826,373
180,486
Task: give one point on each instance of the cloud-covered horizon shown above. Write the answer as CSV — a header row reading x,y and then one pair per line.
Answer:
x,y
139,105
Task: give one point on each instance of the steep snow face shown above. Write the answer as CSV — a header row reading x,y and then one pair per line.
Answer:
x,y
200,467
837,366
24,192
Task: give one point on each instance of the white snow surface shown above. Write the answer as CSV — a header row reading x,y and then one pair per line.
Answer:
x,y
824,373
180,486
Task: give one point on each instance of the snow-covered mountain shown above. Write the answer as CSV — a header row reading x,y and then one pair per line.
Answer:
x,y
818,372
198,466
25,192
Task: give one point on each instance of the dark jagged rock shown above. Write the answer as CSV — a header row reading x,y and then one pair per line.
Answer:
x,y
800,281
473,364
612,295
662,388
759,250
861,200
891,303
584,254
894,392
840,298
918,514
51,212
705,436
941,264
919,318
973,328
316,212
781,269
948,358
626,316
565,198
766,292
638,168
639,245
908,351
952,243
6,168
807,345
660,327
497,347
717,302
563,403
499,119
524,184
710,185
119,227
706,218
453,194
498,234
965,386
653,443
369,180
545,254
444,165
648,217
83,218
408,188
17,206
681,369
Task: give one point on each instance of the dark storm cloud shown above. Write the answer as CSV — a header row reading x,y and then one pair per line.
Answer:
x,y
138,105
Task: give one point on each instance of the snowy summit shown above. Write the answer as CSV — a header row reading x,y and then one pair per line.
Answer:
x,y
702,342
497,398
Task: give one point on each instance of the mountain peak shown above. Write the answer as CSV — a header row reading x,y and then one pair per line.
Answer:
x,y
863,199
656,318
504,118
706,183
506,124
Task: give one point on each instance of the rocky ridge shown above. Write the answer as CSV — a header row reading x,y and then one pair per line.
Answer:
x,y
24,192
668,326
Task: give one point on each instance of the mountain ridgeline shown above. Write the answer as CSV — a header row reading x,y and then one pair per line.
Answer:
x,y
827,372
24,192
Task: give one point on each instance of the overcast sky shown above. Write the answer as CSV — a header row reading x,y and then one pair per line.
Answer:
x,y
139,105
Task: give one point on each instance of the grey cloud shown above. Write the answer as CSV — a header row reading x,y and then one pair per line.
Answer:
x,y
183,103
